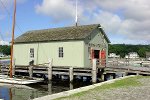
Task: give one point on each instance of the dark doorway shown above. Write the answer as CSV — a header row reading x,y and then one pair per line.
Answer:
x,y
96,54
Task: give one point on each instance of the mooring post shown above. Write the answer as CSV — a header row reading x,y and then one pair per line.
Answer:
x,y
50,69
30,71
49,87
137,73
71,74
102,77
71,86
13,68
94,71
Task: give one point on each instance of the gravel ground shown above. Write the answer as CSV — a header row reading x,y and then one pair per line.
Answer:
x,y
125,93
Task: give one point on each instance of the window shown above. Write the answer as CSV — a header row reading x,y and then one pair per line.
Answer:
x,y
31,53
61,53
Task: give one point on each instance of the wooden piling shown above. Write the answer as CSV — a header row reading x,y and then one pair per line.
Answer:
x,y
94,71
50,69
102,77
71,86
137,73
71,74
49,87
13,68
31,71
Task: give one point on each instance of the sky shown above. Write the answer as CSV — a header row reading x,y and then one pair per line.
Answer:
x,y
124,21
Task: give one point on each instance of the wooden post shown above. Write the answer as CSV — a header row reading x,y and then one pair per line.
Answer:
x,y
49,87
13,68
102,77
71,86
94,71
50,69
137,73
12,42
30,71
71,74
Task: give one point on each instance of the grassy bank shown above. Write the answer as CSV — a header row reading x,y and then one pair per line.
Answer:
x,y
98,92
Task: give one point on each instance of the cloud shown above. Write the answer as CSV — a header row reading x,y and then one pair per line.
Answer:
x,y
128,18
58,10
4,42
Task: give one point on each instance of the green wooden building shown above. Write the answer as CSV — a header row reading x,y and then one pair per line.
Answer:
x,y
68,46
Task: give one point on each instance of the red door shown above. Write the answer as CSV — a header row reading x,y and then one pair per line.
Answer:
x,y
92,55
103,57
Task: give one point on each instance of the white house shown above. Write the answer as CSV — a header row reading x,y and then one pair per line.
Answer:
x,y
113,55
132,55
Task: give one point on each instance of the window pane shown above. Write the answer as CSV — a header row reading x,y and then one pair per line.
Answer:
x,y
60,51
31,53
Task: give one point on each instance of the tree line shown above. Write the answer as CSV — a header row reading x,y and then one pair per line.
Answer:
x,y
5,49
124,49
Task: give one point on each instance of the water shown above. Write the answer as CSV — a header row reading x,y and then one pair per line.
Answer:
x,y
23,92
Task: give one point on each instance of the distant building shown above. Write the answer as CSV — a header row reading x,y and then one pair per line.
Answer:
x,y
113,55
132,55
68,46
148,55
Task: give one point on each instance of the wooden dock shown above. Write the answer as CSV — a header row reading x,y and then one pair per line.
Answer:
x,y
128,70
95,71
50,70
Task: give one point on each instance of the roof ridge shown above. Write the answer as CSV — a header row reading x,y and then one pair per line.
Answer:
x,y
63,27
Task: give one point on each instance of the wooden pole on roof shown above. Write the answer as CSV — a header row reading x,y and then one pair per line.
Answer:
x,y
12,42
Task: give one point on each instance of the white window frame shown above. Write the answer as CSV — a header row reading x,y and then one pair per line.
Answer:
x,y
60,52
31,52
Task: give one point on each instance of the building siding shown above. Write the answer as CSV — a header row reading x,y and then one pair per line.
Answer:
x,y
73,53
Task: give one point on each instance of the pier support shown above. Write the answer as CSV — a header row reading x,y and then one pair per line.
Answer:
x,y
94,71
137,73
50,69
71,86
102,77
71,74
30,71
49,87
13,68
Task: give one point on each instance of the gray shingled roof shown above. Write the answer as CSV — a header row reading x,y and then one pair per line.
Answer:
x,y
57,34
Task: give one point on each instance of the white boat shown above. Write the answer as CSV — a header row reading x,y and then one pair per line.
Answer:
x,y
19,81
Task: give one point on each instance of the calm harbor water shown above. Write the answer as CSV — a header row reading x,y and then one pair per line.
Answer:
x,y
26,92
23,92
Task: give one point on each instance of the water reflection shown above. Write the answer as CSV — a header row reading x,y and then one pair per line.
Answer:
x,y
22,92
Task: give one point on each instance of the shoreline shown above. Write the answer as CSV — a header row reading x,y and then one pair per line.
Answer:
x,y
78,90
